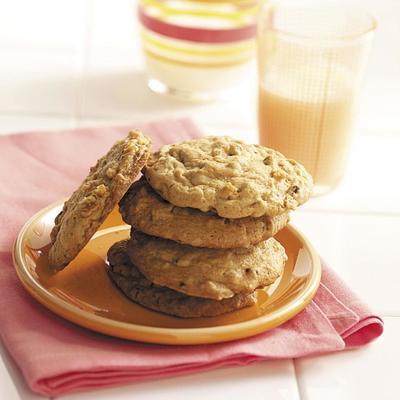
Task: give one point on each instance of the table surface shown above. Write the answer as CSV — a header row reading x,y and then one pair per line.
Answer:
x,y
88,72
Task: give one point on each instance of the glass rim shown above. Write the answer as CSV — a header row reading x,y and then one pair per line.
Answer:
x,y
371,27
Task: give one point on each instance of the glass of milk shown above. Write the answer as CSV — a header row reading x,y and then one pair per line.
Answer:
x,y
311,59
197,49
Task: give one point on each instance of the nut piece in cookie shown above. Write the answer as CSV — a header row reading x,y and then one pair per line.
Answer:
x,y
95,198
229,177
140,290
211,273
146,211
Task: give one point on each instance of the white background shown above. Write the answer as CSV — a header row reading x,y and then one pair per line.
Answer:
x,y
71,63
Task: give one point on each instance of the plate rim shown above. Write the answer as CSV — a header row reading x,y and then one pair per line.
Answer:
x,y
161,335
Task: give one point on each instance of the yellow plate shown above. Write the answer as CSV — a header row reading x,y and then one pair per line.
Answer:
x,y
83,293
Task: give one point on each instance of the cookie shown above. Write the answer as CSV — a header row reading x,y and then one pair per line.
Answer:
x,y
229,177
140,290
98,194
211,273
146,211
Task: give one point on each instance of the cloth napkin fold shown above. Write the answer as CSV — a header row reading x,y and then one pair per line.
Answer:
x,y
56,356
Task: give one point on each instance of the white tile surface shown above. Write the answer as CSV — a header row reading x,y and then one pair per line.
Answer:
x,y
381,95
367,373
24,123
371,180
42,24
113,27
122,93
12,385
363,248
39,81
89,122
263,380
115,86
41,45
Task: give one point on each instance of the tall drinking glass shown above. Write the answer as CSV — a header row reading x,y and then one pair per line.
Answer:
x,y
311,59
197,49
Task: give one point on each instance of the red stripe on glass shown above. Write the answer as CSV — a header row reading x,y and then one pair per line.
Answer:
x,y
196,34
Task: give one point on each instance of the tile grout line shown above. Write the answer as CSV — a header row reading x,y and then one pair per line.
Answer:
x,y
353,212
84,57
44,114
35,114
14,113
300,392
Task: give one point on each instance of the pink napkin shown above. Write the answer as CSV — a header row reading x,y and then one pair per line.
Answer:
x,y
56,356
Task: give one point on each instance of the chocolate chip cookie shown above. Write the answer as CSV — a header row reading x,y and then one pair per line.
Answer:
x,y
228,177
140,290
211,273
98,194
148,212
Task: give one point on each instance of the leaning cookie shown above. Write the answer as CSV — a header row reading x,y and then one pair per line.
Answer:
x,y
95,198
148,212
140,290
211,273
229,177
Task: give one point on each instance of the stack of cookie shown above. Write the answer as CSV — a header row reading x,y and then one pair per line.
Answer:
x,y
203,219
